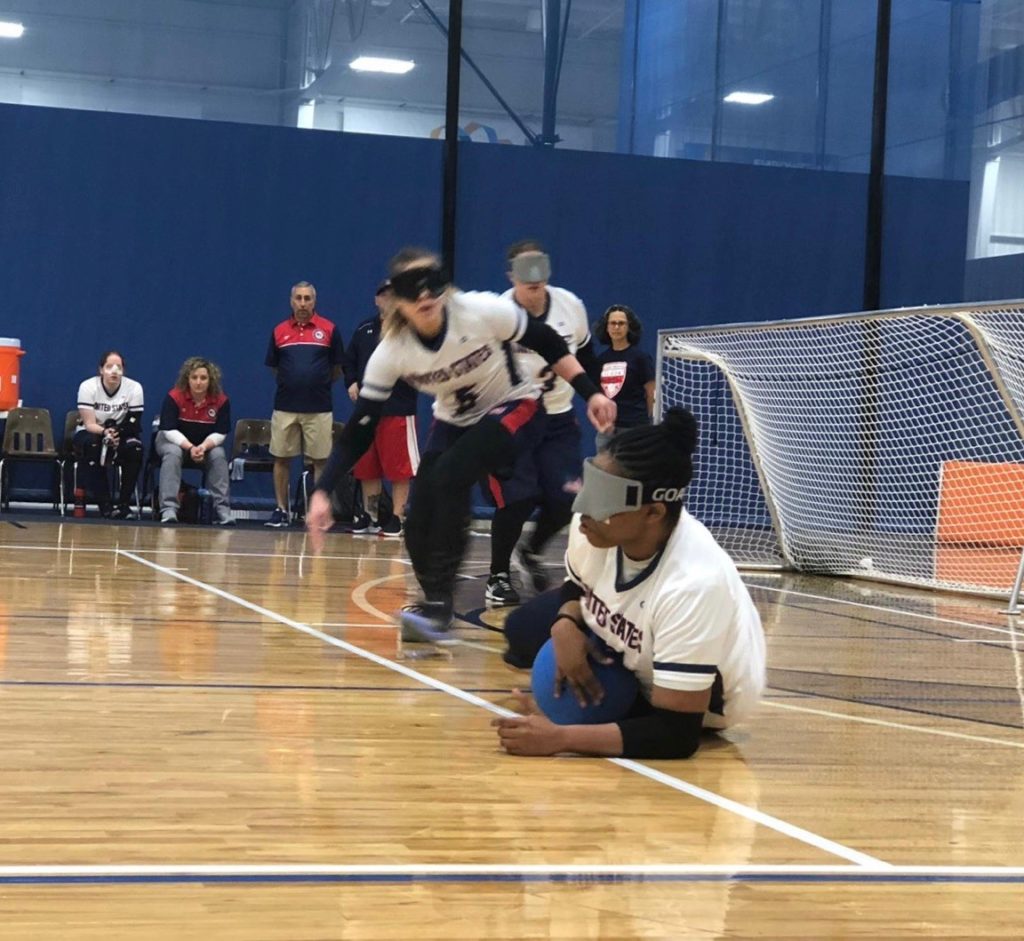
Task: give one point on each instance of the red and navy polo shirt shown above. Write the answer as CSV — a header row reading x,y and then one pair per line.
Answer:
x,y
195,421
304,356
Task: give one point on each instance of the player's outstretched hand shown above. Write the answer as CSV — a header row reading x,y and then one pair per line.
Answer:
x,y
601,412
319,519
531,733
572,664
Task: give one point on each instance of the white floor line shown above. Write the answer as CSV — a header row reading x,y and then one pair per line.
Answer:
x,y
965,736
985,641
896,612
348,624
780,826
229,555
499,870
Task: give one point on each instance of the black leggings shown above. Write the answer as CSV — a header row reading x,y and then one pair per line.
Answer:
x,y
127,456
437,520
528,627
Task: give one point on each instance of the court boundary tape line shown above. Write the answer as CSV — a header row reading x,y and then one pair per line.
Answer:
x,y
717,800
875,607
229,555
944,733
497,872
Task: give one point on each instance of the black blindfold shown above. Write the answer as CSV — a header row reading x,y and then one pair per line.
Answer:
x,y
412,282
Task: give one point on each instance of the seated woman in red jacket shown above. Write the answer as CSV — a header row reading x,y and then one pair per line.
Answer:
x,y
194,421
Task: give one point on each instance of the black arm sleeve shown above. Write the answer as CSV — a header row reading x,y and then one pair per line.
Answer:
x,y
663,733
588,359
353,442
540,338
131,426
570,592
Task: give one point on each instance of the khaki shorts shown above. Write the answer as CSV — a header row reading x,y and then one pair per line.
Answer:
x,y
295,433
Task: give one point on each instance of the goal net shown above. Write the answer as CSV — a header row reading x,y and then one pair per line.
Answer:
x,y
885,445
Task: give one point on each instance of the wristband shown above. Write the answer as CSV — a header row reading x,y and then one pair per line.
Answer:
x,y
584,386
568,617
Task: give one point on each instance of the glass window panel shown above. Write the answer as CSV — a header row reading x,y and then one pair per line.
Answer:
x,y
411,104
850,76
519,58
176,57
997,169
932,52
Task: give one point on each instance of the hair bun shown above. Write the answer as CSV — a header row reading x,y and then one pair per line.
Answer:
x,y
681,428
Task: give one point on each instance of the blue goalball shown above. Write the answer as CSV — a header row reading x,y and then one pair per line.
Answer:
x,y
620,691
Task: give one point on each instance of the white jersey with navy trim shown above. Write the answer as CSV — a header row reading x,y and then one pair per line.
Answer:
x,y
128,398
472,369
681,622
567,316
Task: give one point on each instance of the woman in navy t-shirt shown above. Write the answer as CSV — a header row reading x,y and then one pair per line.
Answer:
x,y
624,372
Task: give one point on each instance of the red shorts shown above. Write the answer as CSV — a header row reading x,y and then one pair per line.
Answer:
x,y
395,452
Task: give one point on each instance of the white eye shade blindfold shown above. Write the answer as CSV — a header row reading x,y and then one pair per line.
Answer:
x,y
531,268
603,494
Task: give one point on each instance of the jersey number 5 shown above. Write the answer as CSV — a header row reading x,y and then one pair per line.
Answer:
x,y
466,398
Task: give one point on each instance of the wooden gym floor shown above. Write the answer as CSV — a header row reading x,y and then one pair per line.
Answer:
x,y
210,734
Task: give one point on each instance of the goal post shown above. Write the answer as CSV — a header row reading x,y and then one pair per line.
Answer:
x,y
887,445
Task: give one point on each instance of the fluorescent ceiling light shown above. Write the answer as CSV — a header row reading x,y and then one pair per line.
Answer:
x,y
748,97
374,64
11,30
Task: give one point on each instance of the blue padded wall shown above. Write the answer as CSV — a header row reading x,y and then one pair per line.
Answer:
x,y
168,238
691,242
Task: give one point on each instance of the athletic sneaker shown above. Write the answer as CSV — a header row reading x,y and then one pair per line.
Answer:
x,y
224,519
392,529
122,512
500,593
531,565
168,517
364,526
426,622
278,519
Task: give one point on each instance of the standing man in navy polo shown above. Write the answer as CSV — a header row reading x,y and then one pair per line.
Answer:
x,y
306,353
395,452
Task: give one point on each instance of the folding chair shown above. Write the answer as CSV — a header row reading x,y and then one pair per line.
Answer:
x,y
69,459
306,481
251,446
29,437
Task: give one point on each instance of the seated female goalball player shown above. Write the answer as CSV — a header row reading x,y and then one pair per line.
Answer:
x,y
651,582
452,345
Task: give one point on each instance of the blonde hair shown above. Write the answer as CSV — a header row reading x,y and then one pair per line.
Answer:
x,y
199,362
392,321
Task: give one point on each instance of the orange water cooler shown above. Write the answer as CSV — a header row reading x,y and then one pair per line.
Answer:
x,y
10,353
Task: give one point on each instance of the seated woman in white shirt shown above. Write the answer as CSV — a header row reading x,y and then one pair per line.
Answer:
x,y
109,433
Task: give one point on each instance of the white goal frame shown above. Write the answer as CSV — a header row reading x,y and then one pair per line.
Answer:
x,y
904,427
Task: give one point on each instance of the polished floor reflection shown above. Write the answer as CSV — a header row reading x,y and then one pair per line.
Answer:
x,y
211,733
